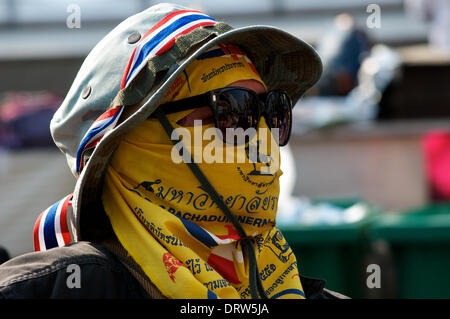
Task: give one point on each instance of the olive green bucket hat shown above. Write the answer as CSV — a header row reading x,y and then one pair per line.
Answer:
x,y
125,77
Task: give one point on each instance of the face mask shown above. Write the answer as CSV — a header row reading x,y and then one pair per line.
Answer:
x,y
174,230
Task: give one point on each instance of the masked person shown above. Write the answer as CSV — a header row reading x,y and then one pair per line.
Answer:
x,y
166,204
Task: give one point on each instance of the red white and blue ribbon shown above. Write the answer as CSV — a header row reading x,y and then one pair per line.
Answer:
x,y
52,228
102,125
161,37
156,41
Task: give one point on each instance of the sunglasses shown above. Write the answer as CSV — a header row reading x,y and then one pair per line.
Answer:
x,y
238,107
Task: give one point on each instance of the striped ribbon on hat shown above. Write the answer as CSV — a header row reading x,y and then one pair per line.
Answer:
x,y
156,41
52,228
161,37
102,125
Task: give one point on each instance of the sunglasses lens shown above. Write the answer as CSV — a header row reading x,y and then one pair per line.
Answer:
x,y
236,109
279,114
240,109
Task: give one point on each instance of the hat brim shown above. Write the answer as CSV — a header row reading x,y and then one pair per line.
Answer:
x,y
283,61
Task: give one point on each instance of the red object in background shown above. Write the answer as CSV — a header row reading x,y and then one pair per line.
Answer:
x,y
436,150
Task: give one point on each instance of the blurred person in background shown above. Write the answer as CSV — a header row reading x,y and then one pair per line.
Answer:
x,y
139,225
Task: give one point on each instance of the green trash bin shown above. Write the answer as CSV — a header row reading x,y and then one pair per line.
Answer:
x,y
419,244
334,252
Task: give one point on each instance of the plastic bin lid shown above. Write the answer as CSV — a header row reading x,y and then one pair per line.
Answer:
x,y
331,234
426,224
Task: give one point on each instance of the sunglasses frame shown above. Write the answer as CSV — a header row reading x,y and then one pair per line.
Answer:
x,y
211,99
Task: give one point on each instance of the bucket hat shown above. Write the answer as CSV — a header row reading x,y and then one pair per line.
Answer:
x,y
126,75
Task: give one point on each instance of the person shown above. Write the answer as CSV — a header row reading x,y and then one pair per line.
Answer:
x,y
153,215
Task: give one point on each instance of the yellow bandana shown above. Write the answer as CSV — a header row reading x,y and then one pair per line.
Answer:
x,y
170,225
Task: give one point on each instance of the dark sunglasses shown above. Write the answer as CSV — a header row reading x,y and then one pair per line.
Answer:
x,y
238,107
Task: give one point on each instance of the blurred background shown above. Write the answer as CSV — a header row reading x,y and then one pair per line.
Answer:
x,y
367,172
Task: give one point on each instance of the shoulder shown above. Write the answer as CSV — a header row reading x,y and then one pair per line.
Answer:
x,y
315,289
78,270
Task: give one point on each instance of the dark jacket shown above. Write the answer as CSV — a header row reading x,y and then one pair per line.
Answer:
x,y
87,270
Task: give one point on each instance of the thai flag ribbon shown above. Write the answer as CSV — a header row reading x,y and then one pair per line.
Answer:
x,y
161,37
52,228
